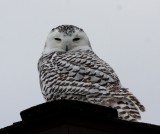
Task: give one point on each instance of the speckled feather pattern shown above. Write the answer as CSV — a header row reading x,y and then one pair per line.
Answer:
x,y
83,76
67,30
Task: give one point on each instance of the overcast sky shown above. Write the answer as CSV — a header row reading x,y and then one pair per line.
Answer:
x,y
124,33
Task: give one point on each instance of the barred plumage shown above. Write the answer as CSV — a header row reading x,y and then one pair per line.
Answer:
x,y
79,74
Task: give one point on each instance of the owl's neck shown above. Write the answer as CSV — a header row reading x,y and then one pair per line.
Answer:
x,y
82,48
51,50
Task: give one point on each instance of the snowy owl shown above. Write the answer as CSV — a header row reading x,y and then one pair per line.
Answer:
x,y
70,70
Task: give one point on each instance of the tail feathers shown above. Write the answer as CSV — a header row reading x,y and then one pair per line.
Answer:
x,y
127,105
131,97
127,110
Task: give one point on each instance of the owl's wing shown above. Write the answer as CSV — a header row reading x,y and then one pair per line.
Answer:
x,y
82,76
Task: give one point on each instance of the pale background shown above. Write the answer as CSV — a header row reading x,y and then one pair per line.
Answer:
x,y
125,33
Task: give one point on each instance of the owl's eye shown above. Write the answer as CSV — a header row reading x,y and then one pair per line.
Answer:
x,y
76,39
58,39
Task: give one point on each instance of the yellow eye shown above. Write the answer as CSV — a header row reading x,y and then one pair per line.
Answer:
x,y
58,39
76,39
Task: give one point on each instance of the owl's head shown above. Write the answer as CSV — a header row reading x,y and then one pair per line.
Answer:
x,y
66,38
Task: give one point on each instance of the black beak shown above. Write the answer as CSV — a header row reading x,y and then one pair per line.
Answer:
x,y
66,48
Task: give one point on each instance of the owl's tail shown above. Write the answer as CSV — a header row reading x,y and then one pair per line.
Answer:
x,y
128,106
131,97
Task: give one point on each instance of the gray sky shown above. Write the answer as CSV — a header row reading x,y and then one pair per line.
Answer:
x,y
124,33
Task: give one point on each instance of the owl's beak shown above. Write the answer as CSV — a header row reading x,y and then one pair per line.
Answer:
x,y
67,48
